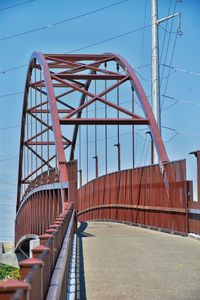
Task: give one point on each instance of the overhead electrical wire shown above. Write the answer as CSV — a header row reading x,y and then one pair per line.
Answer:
x,y
175,69
13,69
62,21
182,131
90,110
9,127
127,133
168,75
143,34
15,5
10,94
9,158
182,70
87,46
176,131
166,25
111,39
168,43
100,42
91,141
177,100
166,31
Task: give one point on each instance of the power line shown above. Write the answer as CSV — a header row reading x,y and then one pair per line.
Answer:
x,y
142,77
100,139
90,110
182,131
87,46
10,158
15,5
9,127
176,131
62,21
166,25
144,66
21,93
182,70
175,69
177,100
12,69
143,41
170,139
166,31
168,75
12,94
111,39
168,44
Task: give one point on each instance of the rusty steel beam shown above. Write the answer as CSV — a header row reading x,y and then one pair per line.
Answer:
x,y
36,135
60,61
103,121
45,124
92,66
81,67
39,156
50,143
92,76
106,102
75,57
55,85
47,111
39,105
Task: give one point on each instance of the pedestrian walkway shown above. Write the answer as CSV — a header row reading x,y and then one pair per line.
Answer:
x,y
117,261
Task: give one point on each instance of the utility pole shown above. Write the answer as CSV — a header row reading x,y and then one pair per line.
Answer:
x,y
155,66
155,72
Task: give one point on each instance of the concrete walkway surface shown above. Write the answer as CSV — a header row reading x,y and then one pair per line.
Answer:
x,y
117,261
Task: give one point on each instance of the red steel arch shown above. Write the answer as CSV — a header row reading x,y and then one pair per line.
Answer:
x,y
74,79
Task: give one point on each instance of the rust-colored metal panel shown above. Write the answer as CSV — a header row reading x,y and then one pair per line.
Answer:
x,y
139,196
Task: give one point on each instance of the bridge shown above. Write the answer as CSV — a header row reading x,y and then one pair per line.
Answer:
x,y
69,99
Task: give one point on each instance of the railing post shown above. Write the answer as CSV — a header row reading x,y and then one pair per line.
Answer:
x,y
58,228
9,288
37,278
37,251
48,241
54,232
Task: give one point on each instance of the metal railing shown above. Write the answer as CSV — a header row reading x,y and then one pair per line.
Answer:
x,y
39,272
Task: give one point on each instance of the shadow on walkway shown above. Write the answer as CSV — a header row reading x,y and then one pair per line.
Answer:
x,y
80,274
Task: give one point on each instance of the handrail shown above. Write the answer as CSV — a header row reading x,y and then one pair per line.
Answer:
x,y
36,273
61,268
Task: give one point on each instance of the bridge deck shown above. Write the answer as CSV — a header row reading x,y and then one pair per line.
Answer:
x,y
118,261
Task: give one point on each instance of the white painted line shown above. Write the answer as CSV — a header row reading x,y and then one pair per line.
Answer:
x,y
194,236
71,289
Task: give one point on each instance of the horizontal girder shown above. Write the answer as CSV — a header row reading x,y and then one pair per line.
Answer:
x,y
103,121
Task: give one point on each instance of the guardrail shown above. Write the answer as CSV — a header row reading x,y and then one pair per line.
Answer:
x,y
38,273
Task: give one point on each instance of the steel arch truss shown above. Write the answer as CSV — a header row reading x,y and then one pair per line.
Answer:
x,y
57,93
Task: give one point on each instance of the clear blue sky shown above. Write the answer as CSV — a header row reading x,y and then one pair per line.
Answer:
x,y
85,31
